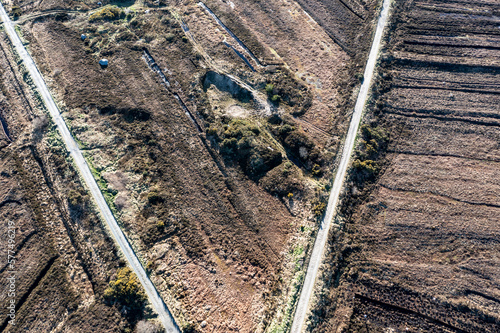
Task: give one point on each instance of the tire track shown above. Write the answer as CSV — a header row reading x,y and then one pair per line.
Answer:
x,y
473,91
393,151
443,118
154,66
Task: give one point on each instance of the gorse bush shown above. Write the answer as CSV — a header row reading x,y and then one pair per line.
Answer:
x,y
126,290
318,207
373,141
367,166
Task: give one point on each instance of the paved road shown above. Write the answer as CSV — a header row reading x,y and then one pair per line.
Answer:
x,y
319,245
155,299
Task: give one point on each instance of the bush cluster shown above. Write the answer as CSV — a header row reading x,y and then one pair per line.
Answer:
x,y
283,87
283,180
16,11
74,198
300,147
373,141
126,290
77,203
270,90
108,13
241,140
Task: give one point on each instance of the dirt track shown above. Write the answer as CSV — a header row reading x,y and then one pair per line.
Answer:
x,y
338,184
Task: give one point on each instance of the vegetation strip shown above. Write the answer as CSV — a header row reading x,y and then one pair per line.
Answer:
x,y
322,236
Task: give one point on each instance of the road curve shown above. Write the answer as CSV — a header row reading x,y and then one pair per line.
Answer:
x,y
322,236
84,170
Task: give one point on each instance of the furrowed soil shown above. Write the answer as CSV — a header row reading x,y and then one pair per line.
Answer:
x,y
219,194
419,248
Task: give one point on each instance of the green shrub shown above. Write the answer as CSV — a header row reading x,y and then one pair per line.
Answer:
x,y
284,180
318,207
295,140
368,166
287,167
154,198
377,134
374,141
269,89
286,129
188,328
169,37
241,140
149,37
290,91
75,198
125,290
260,160
108,13
228,146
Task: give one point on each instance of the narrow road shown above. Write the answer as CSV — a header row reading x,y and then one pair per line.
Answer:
x,y
122,242
319,245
